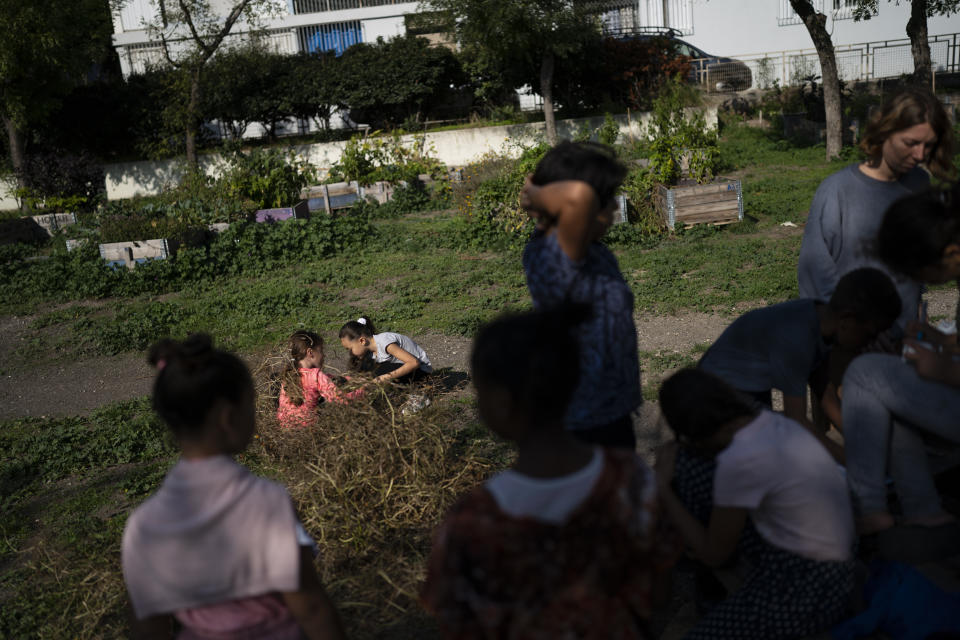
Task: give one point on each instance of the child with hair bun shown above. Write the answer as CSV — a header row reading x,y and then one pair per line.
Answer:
x,y
569,542
389,356
304,385
217,548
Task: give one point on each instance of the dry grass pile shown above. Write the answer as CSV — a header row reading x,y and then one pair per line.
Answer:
x,y
370,485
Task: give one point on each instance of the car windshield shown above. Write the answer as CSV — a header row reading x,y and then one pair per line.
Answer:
x,y
684,49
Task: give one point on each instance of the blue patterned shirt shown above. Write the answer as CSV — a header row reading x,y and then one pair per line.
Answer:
x,y
609,386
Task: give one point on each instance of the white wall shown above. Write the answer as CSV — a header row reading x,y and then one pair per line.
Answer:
x,y
453,148
741,27
386,28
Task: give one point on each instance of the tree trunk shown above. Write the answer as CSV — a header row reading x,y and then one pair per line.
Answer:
x,y
17,154
193,119
546,90
816,26
919,43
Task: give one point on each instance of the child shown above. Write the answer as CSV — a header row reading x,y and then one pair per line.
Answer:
x,y
304,384
216,547
909,134
395,357
780,347
773,492
890,403
571,195
567,543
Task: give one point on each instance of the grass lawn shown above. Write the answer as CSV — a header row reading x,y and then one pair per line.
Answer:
x,y
67,484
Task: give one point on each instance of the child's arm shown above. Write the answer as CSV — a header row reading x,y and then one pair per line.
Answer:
x,y
570,205
311,607
713,545
331,393
795,408
410,362
152,628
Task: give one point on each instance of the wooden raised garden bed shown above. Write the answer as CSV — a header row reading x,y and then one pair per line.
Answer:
x,y
342,195
129,254
718,202
53,222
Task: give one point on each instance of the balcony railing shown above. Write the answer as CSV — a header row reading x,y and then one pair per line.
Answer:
x,y
320,6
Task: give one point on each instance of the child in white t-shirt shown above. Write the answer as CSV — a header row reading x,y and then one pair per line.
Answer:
x,y
395,357
757,483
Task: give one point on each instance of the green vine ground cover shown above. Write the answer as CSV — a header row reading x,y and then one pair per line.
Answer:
x,y
67,484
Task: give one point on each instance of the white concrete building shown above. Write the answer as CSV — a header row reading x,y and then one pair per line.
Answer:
x,y
771,39
297,26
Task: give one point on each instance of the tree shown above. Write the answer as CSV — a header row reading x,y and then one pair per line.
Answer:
x,y
190,32
830,79
389,82
524,33
48,47
920,10
315,94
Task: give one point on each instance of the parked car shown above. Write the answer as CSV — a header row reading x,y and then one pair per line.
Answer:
x,y
715,72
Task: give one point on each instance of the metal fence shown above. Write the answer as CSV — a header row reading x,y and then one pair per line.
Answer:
x,y
855,62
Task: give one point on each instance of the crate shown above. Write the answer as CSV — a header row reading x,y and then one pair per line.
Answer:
x,y
297,211
130,254
719,202
53,222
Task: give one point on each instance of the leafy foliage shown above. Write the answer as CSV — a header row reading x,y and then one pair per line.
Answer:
x,y
61,182
390,158
397,81
674,132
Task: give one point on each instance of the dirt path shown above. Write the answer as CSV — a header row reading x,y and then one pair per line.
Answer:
x,y
73,387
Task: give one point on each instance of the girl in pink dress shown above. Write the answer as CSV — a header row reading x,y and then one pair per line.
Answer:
x,y
218,549
304,384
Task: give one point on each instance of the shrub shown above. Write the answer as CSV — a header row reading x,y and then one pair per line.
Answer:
x,y
674,133
388,158
246,248
60,181
267,177
488,199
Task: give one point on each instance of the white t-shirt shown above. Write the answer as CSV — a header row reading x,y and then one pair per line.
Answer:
x,y
549,500
795,492
383,340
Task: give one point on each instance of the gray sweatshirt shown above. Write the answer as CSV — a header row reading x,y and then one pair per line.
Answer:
x,y
841,233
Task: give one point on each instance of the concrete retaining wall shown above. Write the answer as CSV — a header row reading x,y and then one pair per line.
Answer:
x,y
454,148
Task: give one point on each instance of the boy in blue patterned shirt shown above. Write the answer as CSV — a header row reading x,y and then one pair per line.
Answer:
x,y
571,197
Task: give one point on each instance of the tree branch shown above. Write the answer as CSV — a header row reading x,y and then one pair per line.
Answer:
x,y
207,52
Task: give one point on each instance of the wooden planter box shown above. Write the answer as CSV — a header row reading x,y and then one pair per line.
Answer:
x,y
53,222
297,211
342,195
130,254
719,202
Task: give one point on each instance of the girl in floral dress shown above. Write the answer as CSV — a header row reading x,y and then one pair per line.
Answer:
x,y
569,541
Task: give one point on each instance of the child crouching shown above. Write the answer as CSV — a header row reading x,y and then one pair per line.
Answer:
x,y
569,541
304,385
757,483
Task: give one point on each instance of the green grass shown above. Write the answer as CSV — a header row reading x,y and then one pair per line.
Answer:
x,y
68,484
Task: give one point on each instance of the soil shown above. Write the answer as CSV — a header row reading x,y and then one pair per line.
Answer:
x,y
78,386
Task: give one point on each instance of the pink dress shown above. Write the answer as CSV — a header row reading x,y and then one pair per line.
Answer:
x,y
316,385
260,617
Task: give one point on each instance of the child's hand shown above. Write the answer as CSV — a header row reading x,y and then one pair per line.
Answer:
x,y
528,199
932,364
927,333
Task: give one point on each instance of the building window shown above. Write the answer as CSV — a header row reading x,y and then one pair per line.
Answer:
x,y
843,9
787,16
336,37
